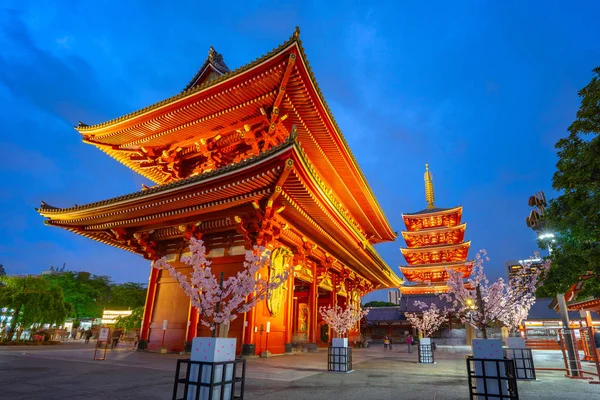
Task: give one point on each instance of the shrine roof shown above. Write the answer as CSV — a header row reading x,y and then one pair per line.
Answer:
x,y
589,304
48,210
235,185
430,211
407,302
381,314
208,106
213,62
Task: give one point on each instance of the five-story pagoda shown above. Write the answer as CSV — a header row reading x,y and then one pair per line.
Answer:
x,y
435,243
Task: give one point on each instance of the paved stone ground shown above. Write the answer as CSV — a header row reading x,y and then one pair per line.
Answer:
x,y
68,372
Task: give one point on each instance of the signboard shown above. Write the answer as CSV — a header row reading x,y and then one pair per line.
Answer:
x,y
268,327
165,323
103,337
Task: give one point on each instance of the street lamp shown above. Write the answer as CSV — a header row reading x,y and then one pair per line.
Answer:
x,y
536,222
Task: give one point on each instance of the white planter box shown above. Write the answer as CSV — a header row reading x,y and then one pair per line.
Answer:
x,y
489,349
212,350
515,342
339,342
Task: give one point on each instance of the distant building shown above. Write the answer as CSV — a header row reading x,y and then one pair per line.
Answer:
x,y
391,321
514,267
394,296
110,317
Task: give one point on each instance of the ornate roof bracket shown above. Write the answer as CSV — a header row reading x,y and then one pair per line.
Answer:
x,y
289,165
190,230
286,77
138,242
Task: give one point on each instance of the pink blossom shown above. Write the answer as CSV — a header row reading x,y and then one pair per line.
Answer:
x,y
341,320
429,320
220,304
485,305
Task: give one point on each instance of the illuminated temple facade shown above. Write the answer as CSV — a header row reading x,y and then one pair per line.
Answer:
x,y
434,244
243,157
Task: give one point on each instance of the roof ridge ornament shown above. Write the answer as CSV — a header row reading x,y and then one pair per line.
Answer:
x,y
429,192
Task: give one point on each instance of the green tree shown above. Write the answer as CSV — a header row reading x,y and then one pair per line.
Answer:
x,y
132,322
2,271
127,295
88,294
380,304
574,216
33,302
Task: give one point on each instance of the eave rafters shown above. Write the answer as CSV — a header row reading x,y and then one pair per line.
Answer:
x,y
437,248
117,204
430,231
197,210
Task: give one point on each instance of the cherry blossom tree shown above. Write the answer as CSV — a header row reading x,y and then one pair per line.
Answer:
x,y
340,320
486,304
220,301
514,316
429,320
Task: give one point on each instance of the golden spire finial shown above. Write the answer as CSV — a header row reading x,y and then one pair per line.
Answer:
x,y
429,195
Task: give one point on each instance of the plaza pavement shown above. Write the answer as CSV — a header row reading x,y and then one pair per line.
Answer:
x,y
68,372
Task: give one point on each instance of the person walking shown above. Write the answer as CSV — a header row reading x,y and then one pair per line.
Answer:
x,y
88,335
385,342
114,338
136,339
409,342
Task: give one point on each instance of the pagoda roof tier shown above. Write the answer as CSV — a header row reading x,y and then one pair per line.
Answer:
x,y
434,288
280,182
428,212
435,272
433,218
435,236
223,117
436,254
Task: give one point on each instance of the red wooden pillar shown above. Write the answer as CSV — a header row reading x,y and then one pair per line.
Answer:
x,y
149,306
289,312
192,329
249,328
313,304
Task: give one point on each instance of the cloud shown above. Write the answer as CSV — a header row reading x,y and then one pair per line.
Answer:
x,y
65,86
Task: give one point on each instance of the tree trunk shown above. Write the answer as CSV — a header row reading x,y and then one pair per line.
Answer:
x,y
13,323
481,309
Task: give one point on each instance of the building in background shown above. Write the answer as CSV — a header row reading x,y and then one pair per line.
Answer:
x,y
110,317
394,296
514,267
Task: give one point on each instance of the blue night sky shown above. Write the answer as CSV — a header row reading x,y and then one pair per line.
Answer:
x,y
479,90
